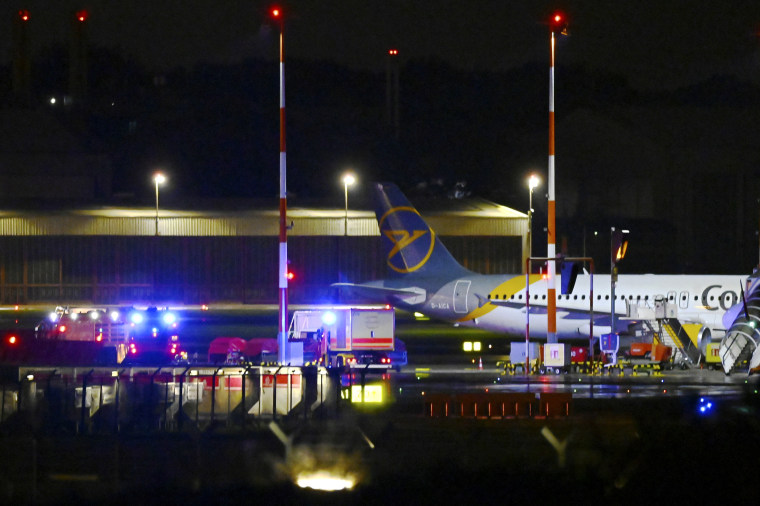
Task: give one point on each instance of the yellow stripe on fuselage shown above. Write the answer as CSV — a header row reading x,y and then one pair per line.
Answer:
x,y
508,288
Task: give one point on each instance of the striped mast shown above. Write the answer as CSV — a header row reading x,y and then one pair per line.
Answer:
x,y
282,330
551,335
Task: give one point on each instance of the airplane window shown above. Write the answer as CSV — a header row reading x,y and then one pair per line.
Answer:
x,y
630,297
543,297
646,297
575,297
606,297
583,297
683,297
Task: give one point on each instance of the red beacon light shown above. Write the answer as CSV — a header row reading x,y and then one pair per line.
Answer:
x,y
276,13
558,23
393,52
81,16
12,339
23,15
290,275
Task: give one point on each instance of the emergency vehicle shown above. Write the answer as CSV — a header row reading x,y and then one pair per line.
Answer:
x,y
69,336
347,336
153,336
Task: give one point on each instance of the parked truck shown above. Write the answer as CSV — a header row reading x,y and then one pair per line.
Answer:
x,y
348,335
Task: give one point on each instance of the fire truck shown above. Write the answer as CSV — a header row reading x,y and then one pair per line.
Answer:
x,y
69,336
94,336
153,336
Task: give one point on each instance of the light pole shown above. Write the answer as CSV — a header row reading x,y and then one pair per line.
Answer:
x,y
348,180
533,182
158,179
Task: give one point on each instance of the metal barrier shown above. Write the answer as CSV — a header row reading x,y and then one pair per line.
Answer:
x,y
499,405
171,398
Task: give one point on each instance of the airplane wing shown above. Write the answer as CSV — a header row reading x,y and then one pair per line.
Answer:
x,y
410,295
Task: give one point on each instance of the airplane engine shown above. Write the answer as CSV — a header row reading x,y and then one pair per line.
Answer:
x,y
739,347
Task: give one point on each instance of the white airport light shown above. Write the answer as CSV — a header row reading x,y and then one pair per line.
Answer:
x,y
53,317
169,318
74,316
136,318
94,315
326,481
115,316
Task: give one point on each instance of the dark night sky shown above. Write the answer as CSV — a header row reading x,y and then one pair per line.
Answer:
x,y
656,96
653,43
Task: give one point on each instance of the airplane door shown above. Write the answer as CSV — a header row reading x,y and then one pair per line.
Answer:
x,y
461,289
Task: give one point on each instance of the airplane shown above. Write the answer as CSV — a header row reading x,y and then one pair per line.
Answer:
x,y
424,277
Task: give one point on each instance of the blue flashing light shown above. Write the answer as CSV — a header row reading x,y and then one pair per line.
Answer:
x,y
328,318
169,318
136,318
705,406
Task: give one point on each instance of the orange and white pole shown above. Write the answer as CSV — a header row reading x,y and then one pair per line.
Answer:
x,y
551,335
282,330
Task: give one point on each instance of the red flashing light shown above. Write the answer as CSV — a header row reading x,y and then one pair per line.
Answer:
x,y
23,15
393,52
290,275
558,23
62,329
12,340
276,13
81,16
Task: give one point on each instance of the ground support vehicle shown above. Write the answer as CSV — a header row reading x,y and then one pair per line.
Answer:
x,y
347,335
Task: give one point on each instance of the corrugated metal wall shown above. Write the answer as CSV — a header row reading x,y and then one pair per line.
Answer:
x,y
113,255
195,270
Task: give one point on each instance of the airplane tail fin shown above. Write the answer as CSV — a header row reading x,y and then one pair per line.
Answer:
x,y
410,245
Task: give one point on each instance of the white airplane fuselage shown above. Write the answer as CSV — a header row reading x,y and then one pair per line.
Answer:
x,y
498,302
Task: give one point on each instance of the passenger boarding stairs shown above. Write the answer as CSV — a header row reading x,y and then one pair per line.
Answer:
x,y
673,334
662,321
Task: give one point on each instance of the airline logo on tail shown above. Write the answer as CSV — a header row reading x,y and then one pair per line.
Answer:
x,y
411,240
